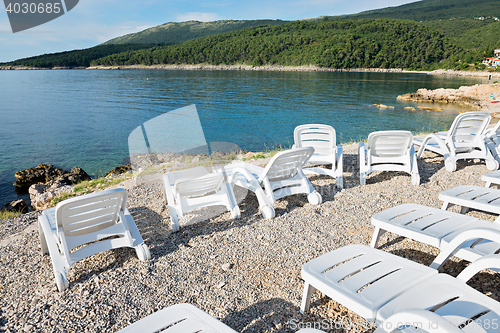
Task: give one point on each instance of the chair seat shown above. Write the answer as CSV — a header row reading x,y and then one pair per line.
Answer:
x,y
475,197
421,223
492,177
362,278
179,318
450,298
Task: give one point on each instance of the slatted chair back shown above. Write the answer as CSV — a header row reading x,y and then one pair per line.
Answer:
x,y
320,137
468,127
80,217
286,164
195,181
389,144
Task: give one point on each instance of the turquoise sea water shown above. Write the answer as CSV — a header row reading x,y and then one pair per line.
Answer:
x,y
83,118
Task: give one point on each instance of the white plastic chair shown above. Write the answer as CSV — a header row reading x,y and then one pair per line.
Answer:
x,y
492,139
283,176
464,140
326,151
435,227
471,196
376,285
195,188
388,151
98,222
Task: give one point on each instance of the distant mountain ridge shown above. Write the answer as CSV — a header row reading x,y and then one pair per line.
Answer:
x,y
455,19
174,33
429,10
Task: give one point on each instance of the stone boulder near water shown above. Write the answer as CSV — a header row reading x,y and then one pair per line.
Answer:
x,y
46,173
120,170
16,206
44,182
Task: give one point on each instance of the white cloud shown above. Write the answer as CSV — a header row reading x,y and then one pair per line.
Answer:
x,y
197,16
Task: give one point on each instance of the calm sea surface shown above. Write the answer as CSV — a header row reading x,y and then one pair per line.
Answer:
x,y
83,118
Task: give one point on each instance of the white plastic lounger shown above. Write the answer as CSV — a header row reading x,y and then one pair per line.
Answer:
x,y
184,318
326,151
490,178
435,227
464,140
99,221
452,299
388,151
195,188
475,197
282,176
361,278
377,285
417,321
179,318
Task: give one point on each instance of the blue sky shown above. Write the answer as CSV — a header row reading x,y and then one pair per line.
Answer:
x,y
93,22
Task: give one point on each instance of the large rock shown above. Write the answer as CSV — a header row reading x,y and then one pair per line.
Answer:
x,y
16,206
477,95
47,173
41,195
120,170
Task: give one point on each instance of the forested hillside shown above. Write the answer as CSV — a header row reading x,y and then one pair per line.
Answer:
x,y
365,43
433,10
76,58
174,33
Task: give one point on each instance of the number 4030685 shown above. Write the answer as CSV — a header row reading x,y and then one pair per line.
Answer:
x,y
33,8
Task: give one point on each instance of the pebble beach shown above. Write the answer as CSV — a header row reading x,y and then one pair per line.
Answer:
x,y
244,272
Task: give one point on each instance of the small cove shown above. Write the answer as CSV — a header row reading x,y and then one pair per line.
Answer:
x,y
83,118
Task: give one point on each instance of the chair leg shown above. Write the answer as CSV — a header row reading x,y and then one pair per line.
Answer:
x,y
464,210
43,241
446,205
306,297
376,236
340,182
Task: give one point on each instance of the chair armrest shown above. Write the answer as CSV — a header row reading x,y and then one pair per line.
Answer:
x,y
462,237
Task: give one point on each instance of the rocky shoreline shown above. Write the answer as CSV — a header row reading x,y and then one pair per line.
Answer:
x,y
478,95
244,272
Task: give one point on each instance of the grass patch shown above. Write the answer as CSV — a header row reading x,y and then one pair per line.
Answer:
x,y
89,186
5,215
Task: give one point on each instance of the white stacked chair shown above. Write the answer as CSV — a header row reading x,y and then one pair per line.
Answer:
x,y
326,151
465,140
282,176
388,151
91,224
194,188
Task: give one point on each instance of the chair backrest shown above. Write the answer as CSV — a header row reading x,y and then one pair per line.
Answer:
x,y
321,137
90,213
469,127
286,164
389,143
195,181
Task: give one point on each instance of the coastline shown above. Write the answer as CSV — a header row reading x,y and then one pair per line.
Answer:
x,y
272,68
